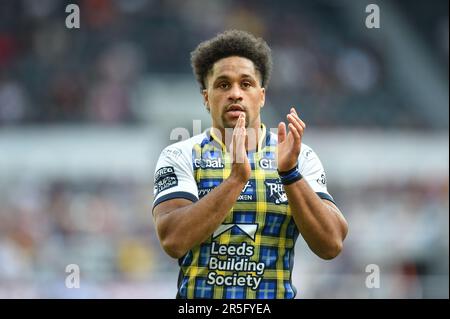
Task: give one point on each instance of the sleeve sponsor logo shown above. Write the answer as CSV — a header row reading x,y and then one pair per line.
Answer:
x,y
308,153
165,178
322,180
173,153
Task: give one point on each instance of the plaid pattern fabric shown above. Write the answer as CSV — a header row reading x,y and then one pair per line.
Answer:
x,y
251,255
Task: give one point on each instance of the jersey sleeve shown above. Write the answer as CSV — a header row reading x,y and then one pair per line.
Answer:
x,y
174,176
313,172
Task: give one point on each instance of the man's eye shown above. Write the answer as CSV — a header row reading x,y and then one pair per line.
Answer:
x,y
223,85
246,84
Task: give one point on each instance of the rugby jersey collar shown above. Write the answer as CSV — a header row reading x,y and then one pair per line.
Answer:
x,y
262,142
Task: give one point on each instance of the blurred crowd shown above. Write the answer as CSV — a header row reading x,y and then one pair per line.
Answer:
x,y
51,74
104,226
333,75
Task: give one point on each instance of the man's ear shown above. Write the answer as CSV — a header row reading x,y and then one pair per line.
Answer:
x,y
205,98
263,97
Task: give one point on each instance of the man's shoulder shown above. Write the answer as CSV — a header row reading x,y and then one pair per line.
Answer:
x,y
183,147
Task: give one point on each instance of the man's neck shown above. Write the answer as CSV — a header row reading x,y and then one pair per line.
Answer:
x,y
253,135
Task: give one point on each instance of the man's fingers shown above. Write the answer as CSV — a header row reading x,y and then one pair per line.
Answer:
x,y
234,138
297,119
239,124
296,122
239,138
294,131
281,132
294,113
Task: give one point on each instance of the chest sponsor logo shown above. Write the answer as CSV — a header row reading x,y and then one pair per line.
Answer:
x,y
205,186
248,229
235,259
247,193
275,192
165,178
268,163
204,191
214,163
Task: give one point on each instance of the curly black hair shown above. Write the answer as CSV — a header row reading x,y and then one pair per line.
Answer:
x,y
232,43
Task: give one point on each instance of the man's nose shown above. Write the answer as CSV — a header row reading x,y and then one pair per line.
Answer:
x,y
235,93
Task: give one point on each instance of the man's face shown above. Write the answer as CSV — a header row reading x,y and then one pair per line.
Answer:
x,y
234,86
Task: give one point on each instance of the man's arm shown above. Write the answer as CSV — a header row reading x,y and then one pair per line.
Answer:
x,y
182,224
320,222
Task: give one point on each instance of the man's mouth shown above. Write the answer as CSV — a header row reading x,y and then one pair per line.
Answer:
x,y
235,107
235,110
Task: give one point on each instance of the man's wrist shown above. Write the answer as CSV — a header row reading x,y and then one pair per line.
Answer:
x,y
237,179
290,176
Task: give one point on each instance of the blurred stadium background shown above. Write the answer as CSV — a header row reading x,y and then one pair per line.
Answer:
x,y
84,113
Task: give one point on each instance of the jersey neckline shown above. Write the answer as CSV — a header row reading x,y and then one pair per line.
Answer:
x,y
262,142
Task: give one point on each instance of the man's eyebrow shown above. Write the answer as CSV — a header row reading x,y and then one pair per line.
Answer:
x,y
225,77
222,77
247,76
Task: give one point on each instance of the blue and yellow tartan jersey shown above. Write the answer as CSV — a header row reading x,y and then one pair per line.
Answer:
x,y
251,254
